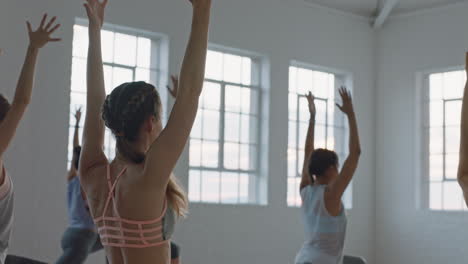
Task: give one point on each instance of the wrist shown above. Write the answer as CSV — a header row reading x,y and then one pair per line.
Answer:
x,y
32,48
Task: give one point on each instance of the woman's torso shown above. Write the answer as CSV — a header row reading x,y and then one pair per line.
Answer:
x,y
325,234
135,199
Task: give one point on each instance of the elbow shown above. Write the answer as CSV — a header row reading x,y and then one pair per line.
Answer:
x,y
357,151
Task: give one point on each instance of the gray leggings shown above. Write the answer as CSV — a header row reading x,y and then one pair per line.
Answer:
x,y
77,244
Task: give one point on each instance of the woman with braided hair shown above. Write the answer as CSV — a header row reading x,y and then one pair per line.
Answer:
x,y
135,199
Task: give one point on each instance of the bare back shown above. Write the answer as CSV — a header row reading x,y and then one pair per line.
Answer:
x,y
135,199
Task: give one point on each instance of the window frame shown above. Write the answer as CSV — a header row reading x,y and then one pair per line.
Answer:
x,y
255,174
423,151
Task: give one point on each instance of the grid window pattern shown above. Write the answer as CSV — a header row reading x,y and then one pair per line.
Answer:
x,y
127,56
330,126
442,129
224,145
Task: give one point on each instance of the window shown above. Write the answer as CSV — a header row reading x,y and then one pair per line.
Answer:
x,y
127,56
442,111
330,128
224,148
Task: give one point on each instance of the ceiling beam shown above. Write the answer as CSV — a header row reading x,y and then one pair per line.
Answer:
x,y
384,13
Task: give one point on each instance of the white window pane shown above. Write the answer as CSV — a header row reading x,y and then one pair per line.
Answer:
x,y
245,100
247,155
231,156
304,113
292,192
229,188
210,152
197,126
435,83
320,84
292,101
320,136
246,71
232,125
195,153
305,81
232,68
300,159
248,129
303,134
435,202
211,96
436,167
451,166
321,116
107,44
143,75
121,75
144,53
80,41
210,187
436,113
452,140
292,136
214,65
292,161
452,196
78,83
244,188
108,76
210,124
330,138
436,141
233,99
125,49
194,185
453,86
340,141
331,112
453,113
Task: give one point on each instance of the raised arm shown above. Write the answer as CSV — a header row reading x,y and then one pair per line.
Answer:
x,y
336,188
463,163
76,143
309,144
37,40
166,149
92,153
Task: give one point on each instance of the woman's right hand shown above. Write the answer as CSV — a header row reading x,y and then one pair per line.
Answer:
x,y
311,99
78,115
95,10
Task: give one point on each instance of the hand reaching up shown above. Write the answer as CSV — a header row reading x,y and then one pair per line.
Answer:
x,y
347,106
311,99
78,115
175,86
42,36
95,11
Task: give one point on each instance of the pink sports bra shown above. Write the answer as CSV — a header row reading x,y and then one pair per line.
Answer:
x,y
125,233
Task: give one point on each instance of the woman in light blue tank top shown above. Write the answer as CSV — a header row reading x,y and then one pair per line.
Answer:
x,y
80,239
322,188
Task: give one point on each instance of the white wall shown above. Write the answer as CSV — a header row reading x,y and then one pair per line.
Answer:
x,y
281,30
405,234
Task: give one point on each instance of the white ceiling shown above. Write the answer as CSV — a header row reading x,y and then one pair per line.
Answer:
x,y
370,8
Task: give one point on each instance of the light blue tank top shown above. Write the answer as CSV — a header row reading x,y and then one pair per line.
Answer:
x,y
78,215
325,234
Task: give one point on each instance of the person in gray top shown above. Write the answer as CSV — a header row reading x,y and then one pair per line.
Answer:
x,y
10,117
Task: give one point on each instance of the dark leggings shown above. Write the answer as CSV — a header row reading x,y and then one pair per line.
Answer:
x,y
11,259
175,251
77,244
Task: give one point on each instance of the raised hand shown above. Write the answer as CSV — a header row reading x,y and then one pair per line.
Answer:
x,y
42,36
175,86
347,106
311,99
95,10
78,115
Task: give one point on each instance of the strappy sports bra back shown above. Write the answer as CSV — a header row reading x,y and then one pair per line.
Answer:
x,y
125,233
